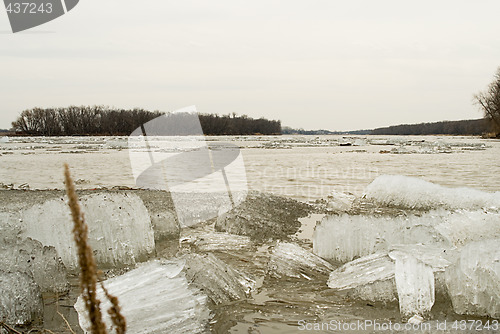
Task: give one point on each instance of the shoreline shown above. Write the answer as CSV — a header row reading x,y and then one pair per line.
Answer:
x,y
278,302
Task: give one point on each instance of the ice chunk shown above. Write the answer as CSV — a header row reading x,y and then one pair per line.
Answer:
x,y
217,241
197,207
415,193
416,320
38,261
10,226
291,260
415,285
264,216
20,299
165,225
120,231
474,280
345,237
219,281
155,298
460,228
368,278
162,212
438,258
377,278
339,201
4,140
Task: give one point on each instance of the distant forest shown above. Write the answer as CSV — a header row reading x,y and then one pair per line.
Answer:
x,y
101,120
466,127
213,124
461,128
290,131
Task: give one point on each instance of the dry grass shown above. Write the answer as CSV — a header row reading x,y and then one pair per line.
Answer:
x,y
66,322
88,276
8,328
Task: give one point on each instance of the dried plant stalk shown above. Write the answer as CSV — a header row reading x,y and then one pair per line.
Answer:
x,y
88,276
114,311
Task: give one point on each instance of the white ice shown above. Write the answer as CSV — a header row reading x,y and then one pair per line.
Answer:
x,y
219,281
460,228
345,237
415,193
120,231
368,278
40,262
405,273
340,201
20,299
291,260
474,280
415,285
154,298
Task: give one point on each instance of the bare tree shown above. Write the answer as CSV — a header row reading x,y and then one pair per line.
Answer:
x,y
489,102
103,120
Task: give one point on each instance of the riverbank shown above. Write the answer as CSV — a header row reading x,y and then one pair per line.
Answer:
x,y
272,242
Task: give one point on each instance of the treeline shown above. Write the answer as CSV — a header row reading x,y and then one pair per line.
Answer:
x,y
466,127
81,120
101,120
290,131
213,124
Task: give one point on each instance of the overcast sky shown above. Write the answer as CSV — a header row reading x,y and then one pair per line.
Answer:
x,y
337,65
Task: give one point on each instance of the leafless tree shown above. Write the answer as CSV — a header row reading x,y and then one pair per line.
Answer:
x,y
489,102
103,120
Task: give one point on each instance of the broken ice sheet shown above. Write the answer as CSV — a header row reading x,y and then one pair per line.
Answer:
x,y
218,280
165,225
415,285
438,258
369,278
415,193
345,237
373,277
340,201
20,299
264,216
154,298
474,279
38,261
462,227
120,231
291,260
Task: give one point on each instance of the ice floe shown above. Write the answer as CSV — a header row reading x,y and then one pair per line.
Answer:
x,y
120,231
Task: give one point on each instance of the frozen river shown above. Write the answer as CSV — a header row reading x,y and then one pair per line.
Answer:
x,y
302,167
290,256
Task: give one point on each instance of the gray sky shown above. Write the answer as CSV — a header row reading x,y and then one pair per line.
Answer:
x,y
336,65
